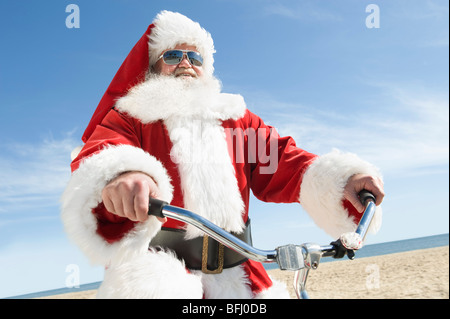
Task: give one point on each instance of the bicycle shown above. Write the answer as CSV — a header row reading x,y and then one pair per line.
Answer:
x,y
299,258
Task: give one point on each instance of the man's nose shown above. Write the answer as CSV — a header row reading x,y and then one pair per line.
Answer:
x,y
185,62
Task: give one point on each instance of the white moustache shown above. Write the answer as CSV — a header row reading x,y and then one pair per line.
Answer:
x,y
185,72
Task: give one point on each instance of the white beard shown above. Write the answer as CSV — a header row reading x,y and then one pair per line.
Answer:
x,y
193,110
161,97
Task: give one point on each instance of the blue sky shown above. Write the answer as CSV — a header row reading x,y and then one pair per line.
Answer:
x,y
313,69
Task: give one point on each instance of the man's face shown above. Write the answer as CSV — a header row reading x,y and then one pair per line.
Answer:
x,y
184,68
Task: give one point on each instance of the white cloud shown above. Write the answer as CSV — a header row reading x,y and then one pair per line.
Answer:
x,y
405,131
33,176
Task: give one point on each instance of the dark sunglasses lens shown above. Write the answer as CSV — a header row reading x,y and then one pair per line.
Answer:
x,y
195,58
173,57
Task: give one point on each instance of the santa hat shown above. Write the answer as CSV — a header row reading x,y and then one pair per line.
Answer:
x,y
166,31
171,29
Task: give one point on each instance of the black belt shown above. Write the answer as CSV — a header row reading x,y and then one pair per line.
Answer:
x,y
202,253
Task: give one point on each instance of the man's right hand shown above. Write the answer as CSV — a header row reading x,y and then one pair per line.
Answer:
x,y
127,196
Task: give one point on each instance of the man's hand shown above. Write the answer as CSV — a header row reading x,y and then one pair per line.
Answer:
x,y
127,195
357,183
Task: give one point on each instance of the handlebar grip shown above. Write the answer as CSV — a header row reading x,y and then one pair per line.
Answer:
x,y
155,207
365,196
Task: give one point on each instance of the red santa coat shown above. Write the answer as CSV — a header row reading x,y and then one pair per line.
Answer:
x,y
283,186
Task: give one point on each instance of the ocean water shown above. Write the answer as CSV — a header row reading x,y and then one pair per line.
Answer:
x,y
366,251
392,247
404,245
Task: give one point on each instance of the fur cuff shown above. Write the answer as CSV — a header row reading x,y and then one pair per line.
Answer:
x,y
322,191
278,290
83,193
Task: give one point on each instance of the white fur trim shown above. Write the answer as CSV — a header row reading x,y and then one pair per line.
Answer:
x,y
148,276
171,29
232,283
277,291
83,193
162,97
207,175
322,191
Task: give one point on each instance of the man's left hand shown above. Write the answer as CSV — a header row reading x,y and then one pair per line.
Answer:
x,y
357,183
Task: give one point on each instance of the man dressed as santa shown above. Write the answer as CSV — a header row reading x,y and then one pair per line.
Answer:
x,y
164,129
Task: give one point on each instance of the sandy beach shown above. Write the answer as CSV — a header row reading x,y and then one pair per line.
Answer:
x,y
408,275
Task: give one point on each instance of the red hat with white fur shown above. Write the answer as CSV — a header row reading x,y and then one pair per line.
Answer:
x,y
166,31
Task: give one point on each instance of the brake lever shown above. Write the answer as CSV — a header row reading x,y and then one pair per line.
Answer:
x,y
349,242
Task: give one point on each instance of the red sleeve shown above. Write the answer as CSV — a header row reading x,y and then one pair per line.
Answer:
x,y
278,164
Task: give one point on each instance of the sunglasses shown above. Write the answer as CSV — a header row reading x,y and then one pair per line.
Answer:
x,y
174,57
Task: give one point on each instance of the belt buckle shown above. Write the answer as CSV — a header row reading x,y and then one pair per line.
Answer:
x,y
205,269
